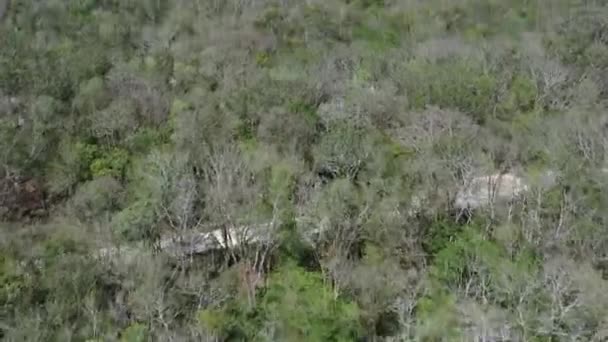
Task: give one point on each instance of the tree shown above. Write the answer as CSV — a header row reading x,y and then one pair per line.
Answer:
x,y
303,170
298,306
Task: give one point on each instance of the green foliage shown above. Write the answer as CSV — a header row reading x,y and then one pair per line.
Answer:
x,y
281,186
485,19
296,306
441,233
137,221
471,256
377,282
369,3
213,320
521,97
91,96
179,106
304,309
379,38
71,166
459,84
145,139
112,163
524,91
52,281
98,196
115,122
318,317
13,283
350,126
134,333
438,318
342,151
575,38
86,154
262,59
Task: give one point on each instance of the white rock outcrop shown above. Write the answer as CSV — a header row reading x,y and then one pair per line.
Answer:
x,y
478,192
201,243
484,190
183,244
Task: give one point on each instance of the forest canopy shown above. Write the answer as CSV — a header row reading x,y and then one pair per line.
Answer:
x,y
319,170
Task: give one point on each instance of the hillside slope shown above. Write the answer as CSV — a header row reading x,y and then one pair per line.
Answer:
x,y
448,157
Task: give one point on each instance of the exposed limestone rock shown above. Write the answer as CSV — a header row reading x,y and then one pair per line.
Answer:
x,y
481,191
198,243
478,192
187,243
201,243
126,254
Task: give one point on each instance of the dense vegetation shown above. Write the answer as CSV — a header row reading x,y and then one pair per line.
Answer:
x,y
122,121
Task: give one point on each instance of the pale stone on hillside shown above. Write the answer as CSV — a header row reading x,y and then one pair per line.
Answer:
x,y
481,191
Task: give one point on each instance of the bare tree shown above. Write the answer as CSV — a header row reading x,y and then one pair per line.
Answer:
x,y
338,217
232,196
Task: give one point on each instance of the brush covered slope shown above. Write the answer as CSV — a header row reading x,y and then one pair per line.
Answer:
x,y
320,170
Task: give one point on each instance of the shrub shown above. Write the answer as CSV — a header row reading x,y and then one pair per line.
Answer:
x,y
299,305
440,234
456,83
14,285
92,96
522,94
72,165
578,37
472,258
134,333
98,196
437,318
341,151
145,139
111,163
137,222
113,124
